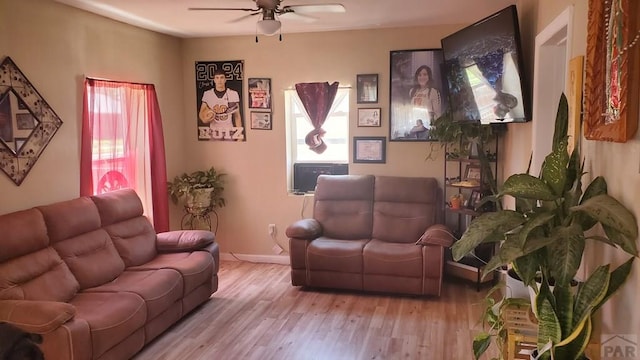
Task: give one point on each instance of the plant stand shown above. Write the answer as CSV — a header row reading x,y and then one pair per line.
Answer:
x,y
199,218
522,331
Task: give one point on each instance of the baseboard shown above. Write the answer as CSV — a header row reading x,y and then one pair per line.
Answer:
x,y
270,259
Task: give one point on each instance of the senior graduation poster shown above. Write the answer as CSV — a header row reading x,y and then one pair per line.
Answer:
x,y
219,100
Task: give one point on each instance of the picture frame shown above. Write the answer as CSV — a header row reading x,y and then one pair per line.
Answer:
x,y
220,118
417,93
259,93
369,149
473,172
367,88
369,117
612,68
474,199
260,120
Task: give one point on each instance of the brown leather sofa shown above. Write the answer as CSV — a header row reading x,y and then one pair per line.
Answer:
x,y
91,275
371,233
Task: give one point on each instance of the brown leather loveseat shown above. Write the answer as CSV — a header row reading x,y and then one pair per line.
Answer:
x,y
91,275
372,233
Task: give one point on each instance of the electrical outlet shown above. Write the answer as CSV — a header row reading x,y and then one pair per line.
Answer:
x,y
272,229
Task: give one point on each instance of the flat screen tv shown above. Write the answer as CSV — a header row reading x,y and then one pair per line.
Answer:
x,y
485,73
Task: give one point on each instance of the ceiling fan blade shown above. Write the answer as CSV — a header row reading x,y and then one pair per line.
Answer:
x,y
290,15
242,18
217,9
309,9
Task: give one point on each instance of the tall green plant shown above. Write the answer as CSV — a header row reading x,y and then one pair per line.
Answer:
x,y
545,236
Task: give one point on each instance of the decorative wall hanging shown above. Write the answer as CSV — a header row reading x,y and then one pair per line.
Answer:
x,y
416,93
27,122
369,149
219,100
612,70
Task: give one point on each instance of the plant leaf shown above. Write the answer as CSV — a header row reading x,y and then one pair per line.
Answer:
x,y
561,124
627,244
554,169
590,294
527,267
564,308
617,278
574,345
481,343
533,222
548,324
566,253
482,228
610,212
528,187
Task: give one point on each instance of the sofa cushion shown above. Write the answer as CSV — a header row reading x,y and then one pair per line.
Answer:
x,y
400,222
23,232
70,218
159,288
344,205
195,267
134,239
92,258
393,259
41,275
118,205
335,255
112,317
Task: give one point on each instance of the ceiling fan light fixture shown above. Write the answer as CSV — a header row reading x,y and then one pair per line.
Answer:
x,y
268,27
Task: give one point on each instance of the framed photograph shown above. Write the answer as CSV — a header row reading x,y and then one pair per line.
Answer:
x,y
472,172
369,149
25,121
367,88
612,67
260,93
417,93
369,117
220,118
260,120
474,199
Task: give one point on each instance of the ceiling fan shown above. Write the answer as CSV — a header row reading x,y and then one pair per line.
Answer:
x,y
271,10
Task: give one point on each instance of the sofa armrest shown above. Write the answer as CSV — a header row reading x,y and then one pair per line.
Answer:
x,y
38,317
437,234
307,229
184,240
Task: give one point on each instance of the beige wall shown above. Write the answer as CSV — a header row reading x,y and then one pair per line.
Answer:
x,y
257,186
55,46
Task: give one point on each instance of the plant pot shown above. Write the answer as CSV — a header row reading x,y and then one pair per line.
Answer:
x,y
515,288
534,356
199,200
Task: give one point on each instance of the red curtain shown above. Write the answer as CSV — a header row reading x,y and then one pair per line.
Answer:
x,y
317,99
123,145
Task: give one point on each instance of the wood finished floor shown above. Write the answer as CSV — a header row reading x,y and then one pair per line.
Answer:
x,y
257,314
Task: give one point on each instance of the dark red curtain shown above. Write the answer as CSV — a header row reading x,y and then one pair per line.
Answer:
x,y
317,99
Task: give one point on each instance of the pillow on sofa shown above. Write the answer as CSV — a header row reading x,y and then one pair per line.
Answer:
x,y
185,240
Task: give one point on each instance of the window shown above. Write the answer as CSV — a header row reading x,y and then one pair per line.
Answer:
x,y
336,127
336,138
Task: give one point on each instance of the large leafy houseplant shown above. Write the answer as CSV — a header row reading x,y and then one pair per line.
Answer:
x,y
545,238
186,186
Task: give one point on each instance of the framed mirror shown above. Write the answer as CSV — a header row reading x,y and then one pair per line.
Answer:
x,y
27,122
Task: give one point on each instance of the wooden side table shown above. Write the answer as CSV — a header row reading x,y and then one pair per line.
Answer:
x,y
522,331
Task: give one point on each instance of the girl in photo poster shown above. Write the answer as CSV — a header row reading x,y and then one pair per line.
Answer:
x,y
425,98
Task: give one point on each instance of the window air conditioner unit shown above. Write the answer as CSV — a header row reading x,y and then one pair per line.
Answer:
x,y
305,175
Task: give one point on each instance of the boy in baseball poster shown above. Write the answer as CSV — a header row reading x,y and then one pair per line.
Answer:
x,y
219,100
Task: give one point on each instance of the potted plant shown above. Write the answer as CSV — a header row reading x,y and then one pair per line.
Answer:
x,y
545,237
200,190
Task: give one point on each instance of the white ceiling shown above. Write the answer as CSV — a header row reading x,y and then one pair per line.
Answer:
x,y
173,17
